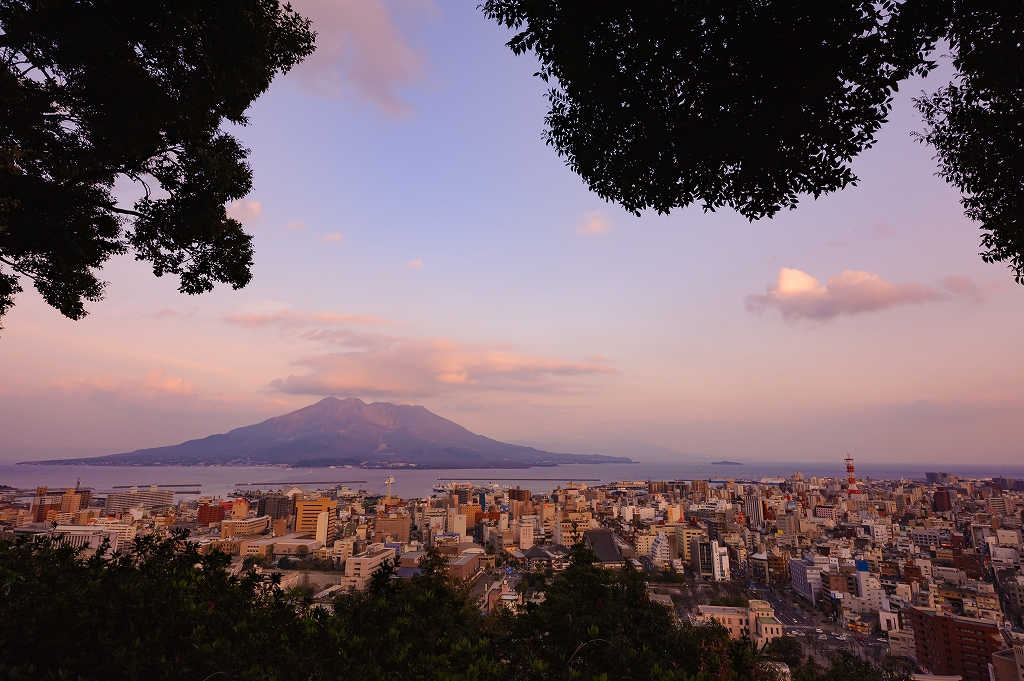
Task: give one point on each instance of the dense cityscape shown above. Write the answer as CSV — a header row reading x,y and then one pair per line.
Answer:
x,y
925,571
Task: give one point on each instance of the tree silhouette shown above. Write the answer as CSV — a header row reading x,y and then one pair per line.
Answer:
x,y
163,611
96,92
751,103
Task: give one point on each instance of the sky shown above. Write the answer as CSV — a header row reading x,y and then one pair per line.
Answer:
x,y
417,242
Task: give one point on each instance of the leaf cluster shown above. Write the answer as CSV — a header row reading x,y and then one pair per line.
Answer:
x,y
93,93
752,103
740,103
976,124
161,611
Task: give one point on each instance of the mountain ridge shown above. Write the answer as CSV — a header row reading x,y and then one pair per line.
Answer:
x,y
346,432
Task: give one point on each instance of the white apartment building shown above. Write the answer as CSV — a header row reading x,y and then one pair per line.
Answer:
x,y
710,561
661,550
806,577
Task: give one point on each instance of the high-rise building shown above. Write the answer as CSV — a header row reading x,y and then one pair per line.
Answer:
x,y
322,525
275,505
950,645
806,576
210,514
941,501
710,561
661,549
519,494
239,509
45,505
525,536
395,525
455,523
70,502
307,513
1000,506
754,509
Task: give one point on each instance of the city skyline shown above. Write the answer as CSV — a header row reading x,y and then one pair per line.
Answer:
x,y
416,242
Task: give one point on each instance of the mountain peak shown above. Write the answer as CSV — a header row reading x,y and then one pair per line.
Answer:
x,y
348,431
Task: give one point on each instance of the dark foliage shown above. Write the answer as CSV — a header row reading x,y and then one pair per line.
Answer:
x,y
96,90
751,103
737,601
785,649
741,103
165,612
161,612
597,624
976,124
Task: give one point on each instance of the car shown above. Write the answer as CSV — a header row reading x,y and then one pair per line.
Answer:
x,y
819,631
822,637
799,633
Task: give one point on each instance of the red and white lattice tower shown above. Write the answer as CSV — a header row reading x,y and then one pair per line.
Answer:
x,y
851,477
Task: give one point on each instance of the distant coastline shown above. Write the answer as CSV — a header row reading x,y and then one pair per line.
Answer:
x,y
726,463
369,465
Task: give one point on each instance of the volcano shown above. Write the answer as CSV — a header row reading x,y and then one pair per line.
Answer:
x,y
347,432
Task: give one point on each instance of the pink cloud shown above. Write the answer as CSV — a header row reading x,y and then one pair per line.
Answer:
x,y
797,295
156,383
246,212
361,54
962,285
286,319
350,339
389,366
414,265
594,222
331,238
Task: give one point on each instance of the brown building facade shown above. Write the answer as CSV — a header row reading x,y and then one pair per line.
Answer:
x,y
210,514
950,645
519,494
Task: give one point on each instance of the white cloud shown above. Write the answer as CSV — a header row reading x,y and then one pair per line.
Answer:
x,y
798,295
361,55
594,222
414,265
246,212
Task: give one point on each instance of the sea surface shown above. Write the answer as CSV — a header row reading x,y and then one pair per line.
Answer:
x,y
411,483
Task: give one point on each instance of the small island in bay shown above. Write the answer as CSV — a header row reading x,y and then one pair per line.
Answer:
x,y
726,463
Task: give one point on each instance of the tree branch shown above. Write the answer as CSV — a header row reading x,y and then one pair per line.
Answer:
x,y
18,269
122,211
